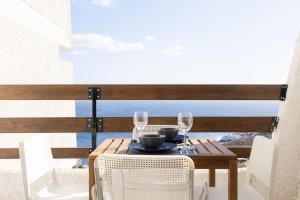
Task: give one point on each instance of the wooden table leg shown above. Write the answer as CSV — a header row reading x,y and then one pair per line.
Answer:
x,y
232,180
212,178
91,177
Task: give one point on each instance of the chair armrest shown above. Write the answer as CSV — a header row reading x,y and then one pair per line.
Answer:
x,y
71,176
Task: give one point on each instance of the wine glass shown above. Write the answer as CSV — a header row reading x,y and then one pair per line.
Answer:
x,y
140,120
185,123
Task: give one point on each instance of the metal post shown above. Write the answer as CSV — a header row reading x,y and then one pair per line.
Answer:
x,y
94,94
94,119
274,123
283,92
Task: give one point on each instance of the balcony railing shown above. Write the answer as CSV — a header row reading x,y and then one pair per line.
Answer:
x,y
94,124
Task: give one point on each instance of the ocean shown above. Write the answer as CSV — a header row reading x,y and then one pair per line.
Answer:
x,y
171,108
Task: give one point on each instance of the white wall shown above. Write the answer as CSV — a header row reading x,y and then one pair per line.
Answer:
x,y
57,11
287,179
32,33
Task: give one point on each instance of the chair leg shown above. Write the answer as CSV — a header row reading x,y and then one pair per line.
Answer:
x,y
91,177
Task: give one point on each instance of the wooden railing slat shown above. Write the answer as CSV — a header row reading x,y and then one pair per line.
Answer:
x,y
125,124
141,92
71,152
43,125
201,124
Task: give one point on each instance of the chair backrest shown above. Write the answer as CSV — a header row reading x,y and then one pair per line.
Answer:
x,y
135,177
262,164
36,160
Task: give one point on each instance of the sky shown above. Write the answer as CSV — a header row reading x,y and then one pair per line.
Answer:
x,y
183,41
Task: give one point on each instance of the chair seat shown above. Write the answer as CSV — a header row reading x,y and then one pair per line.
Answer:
x,y
221,193
58,192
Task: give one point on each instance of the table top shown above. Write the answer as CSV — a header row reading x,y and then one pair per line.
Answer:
x,y
205,149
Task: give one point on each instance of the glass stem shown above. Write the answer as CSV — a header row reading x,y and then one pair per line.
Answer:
x,y
140,132
184,138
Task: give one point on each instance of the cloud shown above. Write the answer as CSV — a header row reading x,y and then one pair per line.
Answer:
x,y
103,3
79,53
104,42
106,3
176,50
150,37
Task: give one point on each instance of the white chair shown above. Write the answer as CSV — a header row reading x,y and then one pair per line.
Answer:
x,y
143,177
39,179
260,173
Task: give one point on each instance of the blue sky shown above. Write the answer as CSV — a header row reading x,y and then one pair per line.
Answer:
x,y
183,41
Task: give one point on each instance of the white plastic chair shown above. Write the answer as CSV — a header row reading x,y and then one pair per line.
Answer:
x,y
39,179
141,177
260,173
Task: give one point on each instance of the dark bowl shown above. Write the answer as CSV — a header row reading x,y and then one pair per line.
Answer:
x,y
151,141
169,133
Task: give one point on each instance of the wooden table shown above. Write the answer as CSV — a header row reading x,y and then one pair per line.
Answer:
x,y
211,155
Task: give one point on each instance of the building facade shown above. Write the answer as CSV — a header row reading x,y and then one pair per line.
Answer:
x,y
32,35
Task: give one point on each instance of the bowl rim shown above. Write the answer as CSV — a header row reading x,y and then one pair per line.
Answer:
x,y
153,136
168,129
